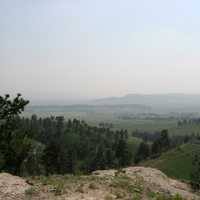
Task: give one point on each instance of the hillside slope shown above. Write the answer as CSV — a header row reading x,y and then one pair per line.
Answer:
x,y
176,163
137,183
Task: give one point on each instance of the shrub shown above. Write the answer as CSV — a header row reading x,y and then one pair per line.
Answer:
x,y
30,191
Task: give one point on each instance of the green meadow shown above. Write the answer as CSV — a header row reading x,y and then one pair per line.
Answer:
x,y
177,163
145,124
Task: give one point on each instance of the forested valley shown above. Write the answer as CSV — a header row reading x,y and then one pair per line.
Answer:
x,y
44,146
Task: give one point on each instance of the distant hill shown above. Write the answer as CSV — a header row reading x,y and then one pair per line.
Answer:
x,y
159,102
152,99
131,103
176,163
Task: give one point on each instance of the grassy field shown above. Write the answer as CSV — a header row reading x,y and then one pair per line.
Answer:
x,y
156,125
176,163
148,125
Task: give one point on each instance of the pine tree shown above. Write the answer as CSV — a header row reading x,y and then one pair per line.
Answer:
x,y
143,152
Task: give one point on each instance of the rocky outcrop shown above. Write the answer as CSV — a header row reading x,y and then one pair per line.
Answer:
x,y
129,183
12,187
154,179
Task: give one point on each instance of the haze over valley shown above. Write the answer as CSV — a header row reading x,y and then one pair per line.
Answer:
x,y
99,100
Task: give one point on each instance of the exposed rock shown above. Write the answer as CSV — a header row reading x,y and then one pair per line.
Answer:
x,y
101,185
155,179
12,187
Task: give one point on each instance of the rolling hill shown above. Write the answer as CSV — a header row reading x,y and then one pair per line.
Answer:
x,y
176,163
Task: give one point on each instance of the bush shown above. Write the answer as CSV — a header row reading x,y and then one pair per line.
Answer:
x,y
29,192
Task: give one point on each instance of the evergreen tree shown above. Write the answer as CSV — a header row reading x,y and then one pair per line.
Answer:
x,y
14,144
143,152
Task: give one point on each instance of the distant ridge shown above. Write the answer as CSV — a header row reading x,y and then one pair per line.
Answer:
x,y
153,99
160,103
156,103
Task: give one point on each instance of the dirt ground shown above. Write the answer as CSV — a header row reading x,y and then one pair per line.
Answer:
x,y
131,183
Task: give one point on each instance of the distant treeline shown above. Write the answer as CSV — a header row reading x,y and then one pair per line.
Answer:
x,y
184,122
154,144
146,136
106,125
175,139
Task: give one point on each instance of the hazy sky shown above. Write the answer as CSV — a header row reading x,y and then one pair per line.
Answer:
x,y
70,49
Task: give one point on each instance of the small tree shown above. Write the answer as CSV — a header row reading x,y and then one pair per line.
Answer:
x,y
11,108
161,144
143,152
14,144
122,153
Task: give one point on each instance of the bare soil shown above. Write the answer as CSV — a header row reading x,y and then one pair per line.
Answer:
x,y
138,183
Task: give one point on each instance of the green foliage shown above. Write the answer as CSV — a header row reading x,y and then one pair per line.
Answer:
x,y
143,152
176,163
163,197
14,143
157,144
125,183
11,108
162,143
195,175
178,197
136,196
59,188
2,160
34,146
151,194
31,191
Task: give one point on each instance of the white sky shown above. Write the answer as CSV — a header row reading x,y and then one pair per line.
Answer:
x,y
80,49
